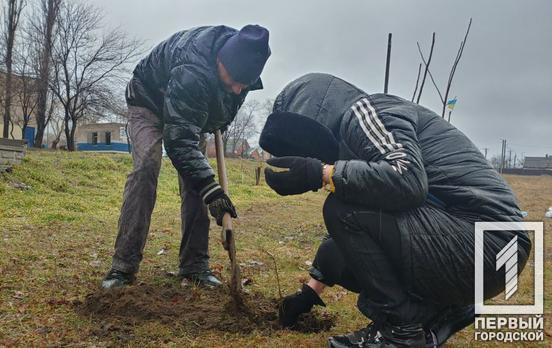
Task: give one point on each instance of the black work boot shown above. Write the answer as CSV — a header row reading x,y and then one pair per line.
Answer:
x,y
205,278
294,305
447,323
387,336
117,279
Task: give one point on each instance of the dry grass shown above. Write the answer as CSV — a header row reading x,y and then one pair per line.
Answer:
x,y
57,238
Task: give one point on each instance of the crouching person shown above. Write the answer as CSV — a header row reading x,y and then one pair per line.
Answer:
x,y
406,190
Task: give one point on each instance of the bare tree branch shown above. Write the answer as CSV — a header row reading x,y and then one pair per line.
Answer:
x,y
430,74
426,66
417,81
454,66
243,126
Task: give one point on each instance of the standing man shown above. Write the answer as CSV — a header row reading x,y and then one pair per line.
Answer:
x,y
192,83
406,190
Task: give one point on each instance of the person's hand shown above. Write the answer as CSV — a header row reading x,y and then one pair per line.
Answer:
x,y
218,202
304,174
292,306
220,206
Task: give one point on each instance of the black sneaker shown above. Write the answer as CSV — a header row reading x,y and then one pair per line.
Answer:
x,y
205,279
117,279
388,336
408,335
354,339
447,323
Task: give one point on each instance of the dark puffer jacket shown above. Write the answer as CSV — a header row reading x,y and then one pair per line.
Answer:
x,y
393,152
179,82
404,159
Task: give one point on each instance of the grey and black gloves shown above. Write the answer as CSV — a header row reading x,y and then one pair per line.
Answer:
x,y
304,174
219,203
294,305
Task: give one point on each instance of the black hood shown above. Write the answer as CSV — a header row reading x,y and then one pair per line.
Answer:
x,y
291,134
321,97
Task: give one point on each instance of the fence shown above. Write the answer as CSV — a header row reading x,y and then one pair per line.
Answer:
x,y
525,171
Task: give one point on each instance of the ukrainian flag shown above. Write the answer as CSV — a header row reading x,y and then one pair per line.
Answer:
x,y
451,103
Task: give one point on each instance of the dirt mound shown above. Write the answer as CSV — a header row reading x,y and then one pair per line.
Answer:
x,y
192,309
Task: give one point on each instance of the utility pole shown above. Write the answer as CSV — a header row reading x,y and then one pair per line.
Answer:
x,y
502,156
515,160
505,147
486,149
387,64
510,159
522,159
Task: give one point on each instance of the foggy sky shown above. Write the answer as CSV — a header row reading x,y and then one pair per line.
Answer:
x,y
503,82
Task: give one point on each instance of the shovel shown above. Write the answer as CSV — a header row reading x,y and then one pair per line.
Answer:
x,y
227,234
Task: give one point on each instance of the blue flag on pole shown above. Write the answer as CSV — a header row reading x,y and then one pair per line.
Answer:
x,y
451,103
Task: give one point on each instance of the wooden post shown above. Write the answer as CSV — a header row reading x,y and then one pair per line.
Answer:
x,y
387,64
258,174
227,236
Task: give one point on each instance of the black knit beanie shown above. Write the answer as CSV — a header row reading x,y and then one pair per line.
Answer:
x,y
245,53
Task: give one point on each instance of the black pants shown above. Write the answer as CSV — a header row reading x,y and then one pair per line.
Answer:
x,y
365,254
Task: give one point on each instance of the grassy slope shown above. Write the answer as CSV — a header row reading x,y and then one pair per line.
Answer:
x,y
57,238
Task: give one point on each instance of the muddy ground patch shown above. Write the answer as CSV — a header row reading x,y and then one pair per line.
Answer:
x,y
192,310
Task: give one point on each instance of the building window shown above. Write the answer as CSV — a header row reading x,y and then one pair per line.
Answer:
x,y
94,138
108,138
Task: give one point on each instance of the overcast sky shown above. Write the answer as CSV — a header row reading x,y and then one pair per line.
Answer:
x,y
503,82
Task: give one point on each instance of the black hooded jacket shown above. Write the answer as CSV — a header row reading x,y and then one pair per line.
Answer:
x,y
401,158
178,81
396,155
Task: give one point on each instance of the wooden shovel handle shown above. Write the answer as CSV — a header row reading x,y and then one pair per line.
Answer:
x,y
227,233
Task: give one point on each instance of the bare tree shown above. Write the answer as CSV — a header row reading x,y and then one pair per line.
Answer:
x,y
56,124
25,86
453,69
417,82
266,109
87,64
12,12
429,72
41,33
426,66
243,126
443,97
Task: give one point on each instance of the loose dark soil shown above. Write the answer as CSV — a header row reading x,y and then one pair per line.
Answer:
x,y
115,313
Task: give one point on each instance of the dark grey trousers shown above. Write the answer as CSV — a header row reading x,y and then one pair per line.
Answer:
x,y
146,134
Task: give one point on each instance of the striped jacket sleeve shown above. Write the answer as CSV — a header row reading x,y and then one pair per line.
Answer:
x,y
389,173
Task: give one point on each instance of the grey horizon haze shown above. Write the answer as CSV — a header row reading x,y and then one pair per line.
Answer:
x,y
503,82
